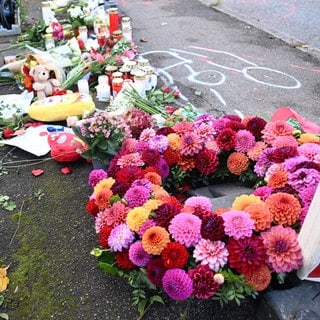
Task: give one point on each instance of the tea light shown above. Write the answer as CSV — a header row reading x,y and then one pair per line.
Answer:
x,y
83,86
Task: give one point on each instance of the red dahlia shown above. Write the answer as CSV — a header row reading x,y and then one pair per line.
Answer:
x,y
171,156
212,227
207,161
235,125
92,208
104,235
203,282
123,260
174,255
255,125
247,254
226,139
156,271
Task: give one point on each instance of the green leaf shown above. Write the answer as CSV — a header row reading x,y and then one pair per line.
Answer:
x,y
106,257
108,268
156,298
142,306
4,316
1,300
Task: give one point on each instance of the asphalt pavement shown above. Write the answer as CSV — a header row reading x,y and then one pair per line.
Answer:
x,y
220,64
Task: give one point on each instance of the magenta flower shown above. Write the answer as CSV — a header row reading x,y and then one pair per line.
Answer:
x,y
303,178
185,228
138,255
177,284
95,176
238,224
137,196
191,144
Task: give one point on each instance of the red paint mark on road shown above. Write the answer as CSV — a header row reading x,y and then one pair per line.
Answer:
x,y
235,72
297,67
315,70
292,8
253,57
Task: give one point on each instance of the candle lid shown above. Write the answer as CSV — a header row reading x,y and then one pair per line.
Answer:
x,y
139,75
117,74
125,19
113,10
117,81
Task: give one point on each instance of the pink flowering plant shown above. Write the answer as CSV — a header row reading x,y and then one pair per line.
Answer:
x,y
103,135
184,247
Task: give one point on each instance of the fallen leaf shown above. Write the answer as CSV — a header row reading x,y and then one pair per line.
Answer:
x,y
66,170
37,172
143,40
4,280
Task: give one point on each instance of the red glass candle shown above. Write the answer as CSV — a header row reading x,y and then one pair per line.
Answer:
x,y
114,20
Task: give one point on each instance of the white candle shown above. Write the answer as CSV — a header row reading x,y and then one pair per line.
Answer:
x,y
83,86
47,13
103,92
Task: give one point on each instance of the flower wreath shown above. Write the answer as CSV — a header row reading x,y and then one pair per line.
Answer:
x,y
163,242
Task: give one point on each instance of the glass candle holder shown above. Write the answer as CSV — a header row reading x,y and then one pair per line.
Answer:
x,y
47,13
125,22
113,19
83,33
103,92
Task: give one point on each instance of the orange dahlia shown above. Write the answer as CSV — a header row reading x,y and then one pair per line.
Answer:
x,y
186,163
259,278
261,216
220,211
284,207
278,179
155,239
174,141
237,163
241,202
153,177
102,199
158,192
254,152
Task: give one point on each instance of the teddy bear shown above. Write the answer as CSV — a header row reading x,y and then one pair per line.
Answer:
x,y
43,84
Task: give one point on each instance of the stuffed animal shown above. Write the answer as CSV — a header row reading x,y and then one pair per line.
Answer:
x,y
43,84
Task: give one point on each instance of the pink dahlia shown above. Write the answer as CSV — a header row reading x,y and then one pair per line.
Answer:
x,y
238,224
116,214
244,141
136,196
263,192
214,254
185,228
201,202
285,141
183,127
310,150
120,237
147,134
191,144
303,178
204,284
130,159
159,142
206,132
282,247
145,226
177,284
276,128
